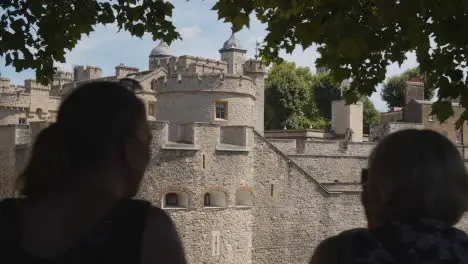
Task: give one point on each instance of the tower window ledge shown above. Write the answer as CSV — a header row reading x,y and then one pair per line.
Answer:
x,y
233,148
175,208
214,207
180,146
244,206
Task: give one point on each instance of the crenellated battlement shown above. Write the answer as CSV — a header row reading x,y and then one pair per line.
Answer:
x,y
31,84
83,73
5,83
254,66
189,65
208,83
63,76
196,136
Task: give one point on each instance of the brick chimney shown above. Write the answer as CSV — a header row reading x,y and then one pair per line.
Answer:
x,y
414,89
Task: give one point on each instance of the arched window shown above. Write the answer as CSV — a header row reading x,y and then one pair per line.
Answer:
x,y
244,198
215,199
175,200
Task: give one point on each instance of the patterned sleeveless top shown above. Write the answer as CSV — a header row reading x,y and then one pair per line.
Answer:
x,y
425,241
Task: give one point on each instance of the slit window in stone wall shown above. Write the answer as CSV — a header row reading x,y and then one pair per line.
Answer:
x,y
152,109
459,137
22,121
221,109
244,198
175,200
207,199
214,199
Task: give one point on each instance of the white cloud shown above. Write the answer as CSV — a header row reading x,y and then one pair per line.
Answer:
x,y
190,32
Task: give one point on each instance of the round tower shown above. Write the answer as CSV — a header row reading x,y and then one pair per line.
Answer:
x,y
210,97
161,51
227,100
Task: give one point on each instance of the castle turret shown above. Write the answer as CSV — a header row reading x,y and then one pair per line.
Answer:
x,y
233,53
4,83
162,51
256,69
62,77
87,73
121,70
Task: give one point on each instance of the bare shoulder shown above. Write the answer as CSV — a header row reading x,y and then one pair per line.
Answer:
x,y
161,242
327,251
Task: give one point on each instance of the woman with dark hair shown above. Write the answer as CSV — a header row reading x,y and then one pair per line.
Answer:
x,y
78,188
414,192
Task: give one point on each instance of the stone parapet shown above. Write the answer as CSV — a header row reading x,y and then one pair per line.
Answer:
x,y
196,136
209,83
324,147
15,99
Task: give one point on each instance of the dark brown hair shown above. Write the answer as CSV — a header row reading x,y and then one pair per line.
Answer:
x,y
93,121
416,174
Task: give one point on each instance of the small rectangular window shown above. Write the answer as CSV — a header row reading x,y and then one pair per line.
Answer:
x,y
221,110
152,109
431,118
172,199
22,121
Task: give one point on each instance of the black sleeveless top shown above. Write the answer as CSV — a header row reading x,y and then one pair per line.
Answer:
x,y
116,239
424,241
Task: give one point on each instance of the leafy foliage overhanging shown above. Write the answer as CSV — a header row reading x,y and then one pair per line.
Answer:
x,y
358,39
36,34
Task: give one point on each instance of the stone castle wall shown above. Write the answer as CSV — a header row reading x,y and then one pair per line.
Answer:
x,y
194,171
15,99
11,116
12,140
292,210
379,131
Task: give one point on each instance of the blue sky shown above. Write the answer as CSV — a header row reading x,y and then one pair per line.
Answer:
x,y
202,33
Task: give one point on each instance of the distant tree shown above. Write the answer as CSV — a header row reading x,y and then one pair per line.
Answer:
x,y
325,92
392,92
289,100
371,115
359,39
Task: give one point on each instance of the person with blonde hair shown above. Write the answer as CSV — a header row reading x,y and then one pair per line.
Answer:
x,y
77,191
414,191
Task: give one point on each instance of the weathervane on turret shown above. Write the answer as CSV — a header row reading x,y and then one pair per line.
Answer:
x,y
257,47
